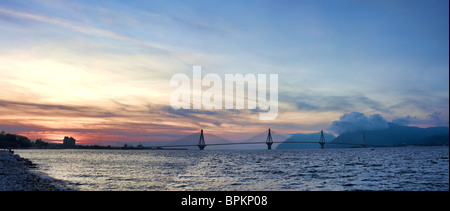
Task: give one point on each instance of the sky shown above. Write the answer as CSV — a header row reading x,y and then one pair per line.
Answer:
x,y
100,70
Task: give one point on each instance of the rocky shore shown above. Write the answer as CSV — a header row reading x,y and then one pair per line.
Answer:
x,y
15,175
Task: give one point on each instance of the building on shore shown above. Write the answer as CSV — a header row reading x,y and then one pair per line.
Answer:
x,y
69,141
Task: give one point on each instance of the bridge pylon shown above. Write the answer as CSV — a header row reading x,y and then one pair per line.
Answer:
x,y
322,140
364,140
201,141
269,140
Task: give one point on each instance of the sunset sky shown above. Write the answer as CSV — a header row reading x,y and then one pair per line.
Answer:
x,y
99,70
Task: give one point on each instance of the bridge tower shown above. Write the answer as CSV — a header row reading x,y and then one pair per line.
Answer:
x,y
269,140
364,139
322,140
201,141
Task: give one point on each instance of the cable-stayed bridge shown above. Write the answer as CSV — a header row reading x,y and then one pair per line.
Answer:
x,y
267,138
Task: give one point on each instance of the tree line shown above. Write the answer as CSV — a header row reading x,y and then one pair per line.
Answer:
x,y
8,140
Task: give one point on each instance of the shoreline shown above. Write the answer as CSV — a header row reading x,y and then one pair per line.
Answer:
x,y
16,175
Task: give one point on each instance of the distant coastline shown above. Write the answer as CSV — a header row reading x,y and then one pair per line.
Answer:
x,y
351,131
15,141
392,136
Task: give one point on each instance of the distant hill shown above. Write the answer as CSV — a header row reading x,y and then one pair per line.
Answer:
x,y
261,138
396,135
193,140
213,139
305,137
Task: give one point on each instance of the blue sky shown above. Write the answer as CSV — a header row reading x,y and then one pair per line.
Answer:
x,y
111,61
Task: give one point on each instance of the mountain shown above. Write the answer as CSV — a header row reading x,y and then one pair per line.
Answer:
x,y
305,137
396,135
260,138
213,139
193,140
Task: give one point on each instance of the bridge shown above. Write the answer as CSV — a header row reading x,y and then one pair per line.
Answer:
x,y
269,142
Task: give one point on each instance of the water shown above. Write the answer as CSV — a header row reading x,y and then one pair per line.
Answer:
x,y
401,168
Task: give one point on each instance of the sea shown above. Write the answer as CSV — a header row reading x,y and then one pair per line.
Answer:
x,y
424,168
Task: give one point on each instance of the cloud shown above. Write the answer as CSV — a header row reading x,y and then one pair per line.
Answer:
x,y
191,113
433,119
356,121
423,102
306,106
435,116
318,102
404,120
210,117
18,128
54,110
80,28
91,123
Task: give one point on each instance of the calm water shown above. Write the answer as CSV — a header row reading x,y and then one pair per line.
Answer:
x,y
402,168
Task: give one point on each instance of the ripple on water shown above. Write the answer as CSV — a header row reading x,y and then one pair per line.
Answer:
x,y
414,168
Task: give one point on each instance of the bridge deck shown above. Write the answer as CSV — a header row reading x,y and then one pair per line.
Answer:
x,y
278,142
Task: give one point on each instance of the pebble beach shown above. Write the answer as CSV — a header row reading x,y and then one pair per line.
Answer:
x,y
16,175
